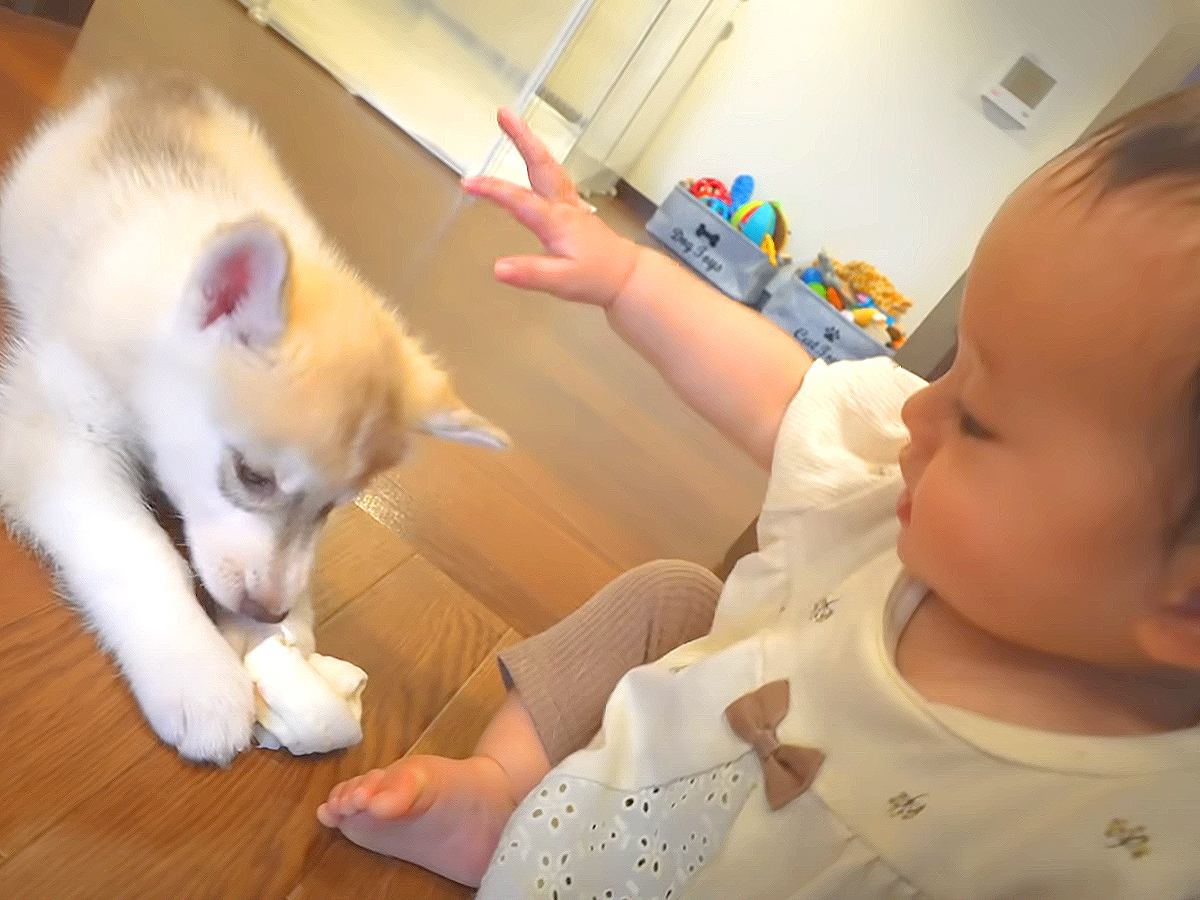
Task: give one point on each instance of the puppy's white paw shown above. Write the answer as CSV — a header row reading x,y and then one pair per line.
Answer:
x,y
201,702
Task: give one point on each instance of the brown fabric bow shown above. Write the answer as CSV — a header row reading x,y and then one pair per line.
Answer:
x,y
788,771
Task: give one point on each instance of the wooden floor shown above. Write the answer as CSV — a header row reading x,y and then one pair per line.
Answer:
x,y
440,564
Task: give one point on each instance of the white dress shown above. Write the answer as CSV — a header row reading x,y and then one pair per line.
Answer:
x,y
913,799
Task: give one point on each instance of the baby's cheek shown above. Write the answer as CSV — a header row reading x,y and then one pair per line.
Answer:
x,y
960,538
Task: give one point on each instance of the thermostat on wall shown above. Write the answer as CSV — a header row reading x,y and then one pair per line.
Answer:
x,y
1021,90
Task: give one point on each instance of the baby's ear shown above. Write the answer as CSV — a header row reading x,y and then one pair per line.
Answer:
x,y
436,409
240,280
1169,633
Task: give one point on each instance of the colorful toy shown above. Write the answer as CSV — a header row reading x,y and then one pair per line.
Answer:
x,y
719,206
866,315
861,294
831,278
704,188
742,190
865,278
710,187
782,229
755,220
761,222
713,194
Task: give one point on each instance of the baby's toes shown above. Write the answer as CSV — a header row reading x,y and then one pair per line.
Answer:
x,y
367,786
397,796
340,798
328,816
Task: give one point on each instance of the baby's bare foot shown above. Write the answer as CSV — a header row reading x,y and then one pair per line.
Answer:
x,y
445,815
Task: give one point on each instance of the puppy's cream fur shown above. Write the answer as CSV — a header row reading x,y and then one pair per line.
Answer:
x,y
177,312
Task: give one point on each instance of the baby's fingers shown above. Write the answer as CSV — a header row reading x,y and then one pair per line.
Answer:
x,y
547,177
525,206
536,273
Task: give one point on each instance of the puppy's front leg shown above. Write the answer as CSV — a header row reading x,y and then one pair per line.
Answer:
x,y
85,511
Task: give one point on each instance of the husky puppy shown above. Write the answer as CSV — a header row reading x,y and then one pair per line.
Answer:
x,y
176,315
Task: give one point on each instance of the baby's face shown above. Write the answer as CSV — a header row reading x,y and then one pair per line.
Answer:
x,y
1047,467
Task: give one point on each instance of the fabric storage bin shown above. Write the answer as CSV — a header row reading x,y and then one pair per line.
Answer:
x,y
711,246
814,322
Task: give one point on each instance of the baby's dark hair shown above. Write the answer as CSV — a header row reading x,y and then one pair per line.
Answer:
x,y
1158,142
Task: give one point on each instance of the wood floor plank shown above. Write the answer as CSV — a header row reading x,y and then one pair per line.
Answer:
x,y
164,828
346,870
529,571
592,412
355,552
17,114
458,727
32,53
566,504
68,726
25,584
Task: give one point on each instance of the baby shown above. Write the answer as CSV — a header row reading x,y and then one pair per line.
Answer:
x,y
965,661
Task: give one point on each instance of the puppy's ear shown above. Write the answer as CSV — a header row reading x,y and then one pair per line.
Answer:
x,y
240,280
463,425
436,409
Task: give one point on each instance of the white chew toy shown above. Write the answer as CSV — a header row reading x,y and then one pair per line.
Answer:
x,y
305,704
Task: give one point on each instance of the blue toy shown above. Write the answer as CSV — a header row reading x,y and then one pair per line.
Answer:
x,y
741,191
719,206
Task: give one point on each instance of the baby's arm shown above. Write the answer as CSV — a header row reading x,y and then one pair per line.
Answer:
x,y
732,366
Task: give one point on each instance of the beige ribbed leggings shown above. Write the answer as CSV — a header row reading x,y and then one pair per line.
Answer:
x,y
564,675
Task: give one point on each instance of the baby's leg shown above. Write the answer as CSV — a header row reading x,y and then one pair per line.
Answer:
x,y
566,674
447,815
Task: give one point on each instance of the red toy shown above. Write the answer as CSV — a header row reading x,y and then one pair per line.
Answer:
x,y
710,187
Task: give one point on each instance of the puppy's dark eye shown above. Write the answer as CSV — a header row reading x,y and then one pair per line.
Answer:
x,y
259,483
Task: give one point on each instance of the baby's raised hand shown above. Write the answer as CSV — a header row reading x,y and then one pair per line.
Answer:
x,y
585,260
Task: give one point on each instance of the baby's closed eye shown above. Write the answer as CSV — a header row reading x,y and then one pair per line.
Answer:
x,y
971,426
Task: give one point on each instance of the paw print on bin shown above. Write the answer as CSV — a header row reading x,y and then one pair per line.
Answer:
x,y
832,334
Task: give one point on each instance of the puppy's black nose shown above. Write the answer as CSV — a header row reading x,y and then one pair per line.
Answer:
x,y
253,609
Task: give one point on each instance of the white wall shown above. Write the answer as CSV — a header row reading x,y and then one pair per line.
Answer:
x,y
864,119
1174,59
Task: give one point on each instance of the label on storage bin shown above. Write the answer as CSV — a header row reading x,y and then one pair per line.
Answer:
x,y
813,322
698,248
711,246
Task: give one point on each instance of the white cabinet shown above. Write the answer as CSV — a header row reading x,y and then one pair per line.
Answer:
x,y
593,77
